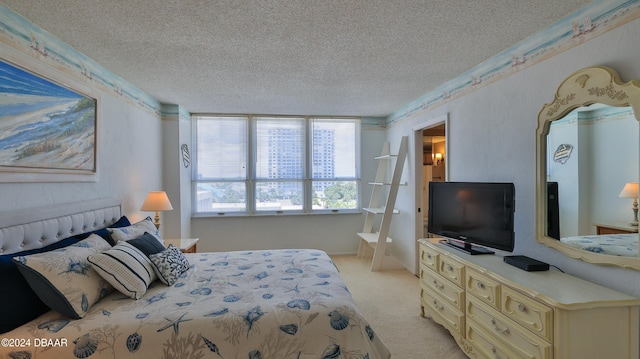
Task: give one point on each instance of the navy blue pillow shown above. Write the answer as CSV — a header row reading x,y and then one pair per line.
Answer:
x,y
19,304
104,233
147,244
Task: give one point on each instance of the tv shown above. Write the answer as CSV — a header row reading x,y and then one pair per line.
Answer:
x,y
553,211
473,216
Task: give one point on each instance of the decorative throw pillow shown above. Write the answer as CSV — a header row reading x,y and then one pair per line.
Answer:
x,y
126,268
104,232
135,230
63,279
19,304
147,244
169,264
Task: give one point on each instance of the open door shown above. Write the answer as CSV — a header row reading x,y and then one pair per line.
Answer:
x,y
431,154
434,143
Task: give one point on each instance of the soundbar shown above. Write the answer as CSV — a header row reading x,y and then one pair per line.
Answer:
x,y
526,263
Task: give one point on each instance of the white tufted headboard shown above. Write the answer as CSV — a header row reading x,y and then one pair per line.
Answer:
x,y
39,227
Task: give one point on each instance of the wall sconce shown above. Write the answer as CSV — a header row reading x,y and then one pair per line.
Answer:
x,y
630,190
438,158
157,201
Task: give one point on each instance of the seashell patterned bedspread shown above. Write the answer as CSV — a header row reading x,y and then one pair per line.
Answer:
x,y
274,304
624,245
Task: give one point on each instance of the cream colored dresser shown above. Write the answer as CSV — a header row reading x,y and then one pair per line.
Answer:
x,y
497,311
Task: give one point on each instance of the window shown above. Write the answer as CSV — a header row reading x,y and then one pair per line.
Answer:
x,y
247,165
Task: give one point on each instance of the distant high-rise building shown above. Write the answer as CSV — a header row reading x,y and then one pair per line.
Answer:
x,y
286,163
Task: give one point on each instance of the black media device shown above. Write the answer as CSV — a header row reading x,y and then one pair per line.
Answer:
x,y
553,211
473,215
526,263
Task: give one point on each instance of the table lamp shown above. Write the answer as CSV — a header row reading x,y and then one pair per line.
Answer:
x,y
630,190
157,201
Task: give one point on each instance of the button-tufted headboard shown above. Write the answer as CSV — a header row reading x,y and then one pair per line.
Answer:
x,y
36,228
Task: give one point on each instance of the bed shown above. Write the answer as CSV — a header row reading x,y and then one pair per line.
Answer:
x,y
625,245
249,304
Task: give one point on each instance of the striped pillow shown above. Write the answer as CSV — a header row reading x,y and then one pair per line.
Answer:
x,y
126,268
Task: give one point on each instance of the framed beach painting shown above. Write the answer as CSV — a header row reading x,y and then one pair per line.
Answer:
x,y
47,130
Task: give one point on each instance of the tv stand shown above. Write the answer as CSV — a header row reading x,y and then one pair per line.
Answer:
x,y
494,310
467,248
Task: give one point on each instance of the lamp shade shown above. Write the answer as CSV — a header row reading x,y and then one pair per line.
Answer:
x,y
630,190
157,201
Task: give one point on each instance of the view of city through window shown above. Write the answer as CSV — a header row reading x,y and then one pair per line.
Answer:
x,y
287,173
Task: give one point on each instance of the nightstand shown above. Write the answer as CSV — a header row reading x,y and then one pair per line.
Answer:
x,y
186,245
619,228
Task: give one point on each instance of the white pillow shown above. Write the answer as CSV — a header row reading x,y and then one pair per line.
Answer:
x,y
135,230
169,264
63,278
126,268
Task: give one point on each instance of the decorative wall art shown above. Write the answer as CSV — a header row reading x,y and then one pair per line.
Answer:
x,y
47,131
562,153
186,156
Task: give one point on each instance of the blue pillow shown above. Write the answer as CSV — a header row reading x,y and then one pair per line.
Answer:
x,y
147,244
19,304
104,233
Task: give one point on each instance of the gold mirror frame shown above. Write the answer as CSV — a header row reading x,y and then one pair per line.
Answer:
x,y
598,84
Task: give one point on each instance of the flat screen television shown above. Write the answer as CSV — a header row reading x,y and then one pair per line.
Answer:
x,y
473,215
553,211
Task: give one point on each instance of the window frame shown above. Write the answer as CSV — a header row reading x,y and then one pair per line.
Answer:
x,y
251,180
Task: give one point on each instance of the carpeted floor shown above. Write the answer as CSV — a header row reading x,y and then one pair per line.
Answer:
x,y
390,301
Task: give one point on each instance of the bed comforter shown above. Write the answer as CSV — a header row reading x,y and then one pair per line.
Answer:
x,y
275,304
624,245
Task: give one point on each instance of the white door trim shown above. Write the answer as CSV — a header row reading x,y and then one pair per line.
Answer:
x,y
417,131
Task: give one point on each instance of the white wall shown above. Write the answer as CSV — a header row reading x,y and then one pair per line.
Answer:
x,y
492,138
176,177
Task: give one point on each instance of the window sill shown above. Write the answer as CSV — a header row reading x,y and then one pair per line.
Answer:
x,y
275,214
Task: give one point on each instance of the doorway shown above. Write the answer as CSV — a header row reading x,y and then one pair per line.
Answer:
x,y
434,143
432,164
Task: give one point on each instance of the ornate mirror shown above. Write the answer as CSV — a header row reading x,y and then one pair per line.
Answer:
x,y
588,168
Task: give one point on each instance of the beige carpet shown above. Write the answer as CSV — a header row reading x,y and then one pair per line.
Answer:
x,y
390,301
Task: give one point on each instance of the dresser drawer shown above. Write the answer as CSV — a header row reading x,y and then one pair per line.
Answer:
x,y
451,269
443,313
483,288
528,312
447,290
509,334
429,258
487,346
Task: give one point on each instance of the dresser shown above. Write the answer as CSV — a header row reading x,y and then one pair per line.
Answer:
x,y
498,311
615,228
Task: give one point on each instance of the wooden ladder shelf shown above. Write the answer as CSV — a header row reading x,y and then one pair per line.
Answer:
x,y
379,205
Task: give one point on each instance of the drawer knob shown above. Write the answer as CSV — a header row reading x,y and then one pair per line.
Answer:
x,y
522,308
504,331
438,286
495,353
449,268
480,285
438,307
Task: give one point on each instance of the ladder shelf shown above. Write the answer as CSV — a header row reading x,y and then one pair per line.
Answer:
x,y
377,241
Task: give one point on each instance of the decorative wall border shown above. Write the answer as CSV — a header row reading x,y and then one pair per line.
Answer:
x,y
583,25
587,23
22,35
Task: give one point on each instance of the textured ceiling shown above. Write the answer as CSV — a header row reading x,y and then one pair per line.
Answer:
x,y
359,57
